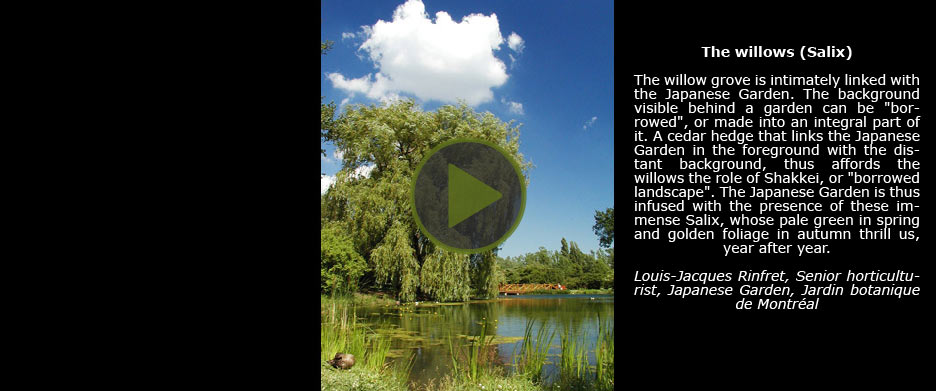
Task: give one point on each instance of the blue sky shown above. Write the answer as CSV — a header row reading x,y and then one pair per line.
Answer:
x,y
556,78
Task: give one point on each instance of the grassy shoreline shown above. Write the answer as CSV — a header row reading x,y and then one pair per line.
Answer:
x,y
570,292
374,299
341,331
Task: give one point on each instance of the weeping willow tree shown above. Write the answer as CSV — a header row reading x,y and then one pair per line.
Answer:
x,y
369,200
486,275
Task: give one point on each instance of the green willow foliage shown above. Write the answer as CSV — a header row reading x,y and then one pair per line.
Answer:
x,y
328,110
486,275
375,209
328,115
341,265
443,276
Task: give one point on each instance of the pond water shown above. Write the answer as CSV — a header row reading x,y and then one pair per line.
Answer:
x,y
424,329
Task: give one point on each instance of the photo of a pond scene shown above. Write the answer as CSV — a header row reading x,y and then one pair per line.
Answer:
x,y
554,337
493,288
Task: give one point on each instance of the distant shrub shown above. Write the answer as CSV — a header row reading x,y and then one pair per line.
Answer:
x,y
549,292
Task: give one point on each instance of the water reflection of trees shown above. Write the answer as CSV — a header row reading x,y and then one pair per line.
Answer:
x,y
578,314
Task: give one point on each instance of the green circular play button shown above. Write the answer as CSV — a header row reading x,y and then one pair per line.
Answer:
x,y
468,195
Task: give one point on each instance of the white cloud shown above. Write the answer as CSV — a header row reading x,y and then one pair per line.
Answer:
x,y
589,123
363,171
515,42
358,173
347,35
514,107
439,59
338,154
361,84
390,97
327,181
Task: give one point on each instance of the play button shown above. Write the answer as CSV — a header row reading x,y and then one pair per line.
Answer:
x,y
468,195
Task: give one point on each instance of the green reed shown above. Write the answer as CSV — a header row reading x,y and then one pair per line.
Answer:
x,y
573,362
475,355
529,362
574,371
342,333
604,356
402,368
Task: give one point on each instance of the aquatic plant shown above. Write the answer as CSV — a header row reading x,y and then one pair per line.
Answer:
x,y
475,356
532,356
604,356
342,333
573,361
575,373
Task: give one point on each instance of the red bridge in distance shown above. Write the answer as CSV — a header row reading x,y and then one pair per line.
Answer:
x,y
516,289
